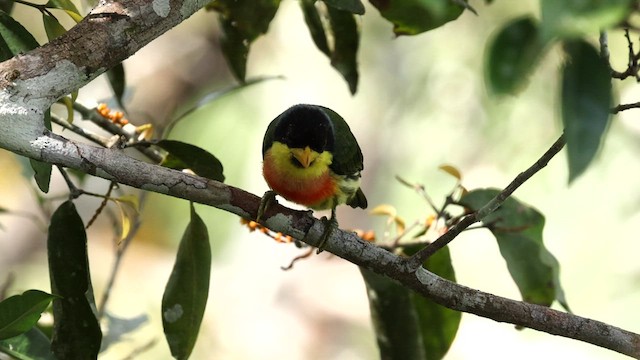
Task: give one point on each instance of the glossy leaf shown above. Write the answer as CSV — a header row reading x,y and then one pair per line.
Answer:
x,y
352,6
52,26
76,333
19,313
185,295
411,17
242,22
586,102
68,6
512,55
518,231
186,156
315,25
31,345
407,325
118,82
576,18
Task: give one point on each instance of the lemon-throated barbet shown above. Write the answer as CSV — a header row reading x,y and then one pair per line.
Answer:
x,y
310,157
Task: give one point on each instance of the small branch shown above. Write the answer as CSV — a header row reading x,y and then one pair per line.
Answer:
x,y
100,140
624,107
418,258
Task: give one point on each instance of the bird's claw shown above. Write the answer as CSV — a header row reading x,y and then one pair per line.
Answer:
x,y
268,199
329,226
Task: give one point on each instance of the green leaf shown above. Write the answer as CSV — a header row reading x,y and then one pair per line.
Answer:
x,y
32,345
407,325
315,25
411,17
117,81
185,295
586,103
512,55
352,6
42,174
76,332
67,6
15,36
52,26
186,156
346,40
518,231
341,27
576,18
19,313
242,22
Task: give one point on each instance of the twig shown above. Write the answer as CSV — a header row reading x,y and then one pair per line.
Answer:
x,y
418,258
623,107
137,351
100,140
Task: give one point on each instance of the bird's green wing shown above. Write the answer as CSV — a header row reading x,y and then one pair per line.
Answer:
x,y
269,135
347,156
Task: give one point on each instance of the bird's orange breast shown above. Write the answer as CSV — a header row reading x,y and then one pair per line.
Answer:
x,y
310,191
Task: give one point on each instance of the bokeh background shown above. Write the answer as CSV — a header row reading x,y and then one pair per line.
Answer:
x,y
421,103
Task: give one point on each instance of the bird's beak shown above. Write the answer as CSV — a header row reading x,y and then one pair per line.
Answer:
x,y
304,156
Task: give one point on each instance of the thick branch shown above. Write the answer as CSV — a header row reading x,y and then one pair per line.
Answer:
x,y
116,166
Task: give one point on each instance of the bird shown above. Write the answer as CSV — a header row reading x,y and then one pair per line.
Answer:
x,y
311,158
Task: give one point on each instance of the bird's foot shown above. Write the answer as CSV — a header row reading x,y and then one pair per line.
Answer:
x,y
268,200
329,226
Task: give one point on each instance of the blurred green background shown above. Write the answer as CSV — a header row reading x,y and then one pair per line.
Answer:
x,y
421,103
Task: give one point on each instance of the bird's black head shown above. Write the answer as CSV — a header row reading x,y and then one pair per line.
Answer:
x,y
305,125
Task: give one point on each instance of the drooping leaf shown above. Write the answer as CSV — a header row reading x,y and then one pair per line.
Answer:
x,y
185,295
42,174
346,39
451,170
52,26
335,33
67,6
512,55
19,313
411,17
129,209
32,345
76,333
117,81
242,22
407,325
186,156
352,6
586,102
576,18
517,228
17,38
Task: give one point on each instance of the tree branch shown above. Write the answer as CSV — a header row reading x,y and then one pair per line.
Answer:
x,y
114,165
420,257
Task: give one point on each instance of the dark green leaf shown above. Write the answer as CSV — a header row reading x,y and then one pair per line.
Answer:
x,y
117,81
52,26
185,295
186,156
20,313
17,38
411,17
42,174
6,6
242,22
341,27
352,6
32,345
518,230
314,23
512,56
576,18
346,40
76,333
407,325
586,102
